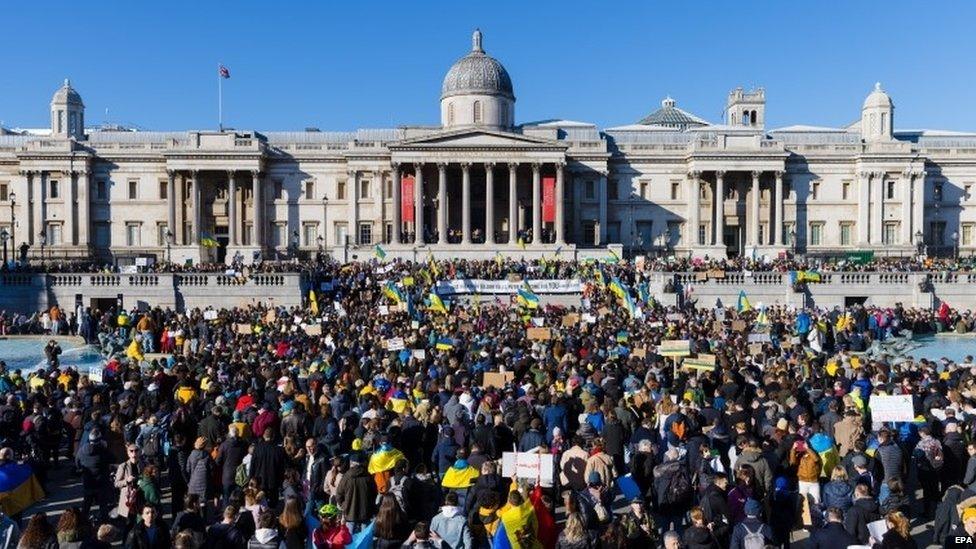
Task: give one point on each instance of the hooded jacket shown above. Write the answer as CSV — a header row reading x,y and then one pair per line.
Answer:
x,y
864,511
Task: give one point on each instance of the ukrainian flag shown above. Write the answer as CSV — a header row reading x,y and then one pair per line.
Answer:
x,y
393,292
444,344
208,241
499,259
517,526
384,459
526,297
644,293
617,288
808,276
379,253
19,488
313,302
399,402
459,476
613,256
433,264
743,306
630,305
411,310
521,242
762,319
435,303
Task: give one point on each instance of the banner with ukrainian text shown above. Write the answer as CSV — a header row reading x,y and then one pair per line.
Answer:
x,y
548,199
478,286
406,198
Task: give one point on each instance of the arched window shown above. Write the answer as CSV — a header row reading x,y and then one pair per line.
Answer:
x,y
450,113
477,112
752,118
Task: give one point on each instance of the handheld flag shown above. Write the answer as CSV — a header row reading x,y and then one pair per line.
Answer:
x,y
743,306
444,344
392,292
19,488
379,253
521,242
434,303
313,302
613,256
526,297
499,259
208,241
762,319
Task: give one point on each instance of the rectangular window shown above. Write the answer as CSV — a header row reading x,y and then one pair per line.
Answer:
x,y
937,192
890,190
589,232
612,189
364,189
763,230
187,232
643,189
815,190
54,234
164,190
133,189
937,233
846,190
340,190
388,233
846,233
132,235
702,233
55,187
4,192
789,234
279,190
161,230
310,234
279,235
967,234
890,233
309,190
816,234
590,191
388,185
365,233
675,190
101,190
341,232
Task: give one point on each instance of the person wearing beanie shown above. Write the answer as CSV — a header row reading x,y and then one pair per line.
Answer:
x,y
752,527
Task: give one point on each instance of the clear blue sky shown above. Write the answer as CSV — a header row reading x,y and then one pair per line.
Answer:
x,y
348,65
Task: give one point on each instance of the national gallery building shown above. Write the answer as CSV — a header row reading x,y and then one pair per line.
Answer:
x,y
481,183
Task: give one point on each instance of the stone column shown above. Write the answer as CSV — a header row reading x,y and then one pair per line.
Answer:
x,y
378,201
69,209
397,199
39,206
197,208
918,204
906,208
575,185
232,208
418,204
877,211
718,203
352,186
442,203
536,206
778,201
694,208
84,208
560,206
513,203
257,204
489,203
466,203
171,202
602,237
863,208
754,229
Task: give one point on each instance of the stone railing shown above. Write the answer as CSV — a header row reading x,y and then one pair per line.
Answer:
x,y
34,292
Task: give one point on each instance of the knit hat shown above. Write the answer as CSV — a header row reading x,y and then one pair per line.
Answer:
x,y
969,513
753,508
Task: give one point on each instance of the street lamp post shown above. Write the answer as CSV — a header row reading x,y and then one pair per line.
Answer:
x,y
321,242
169,244
955,245
793,240
294,243
43,240
13,221
4,236
920,243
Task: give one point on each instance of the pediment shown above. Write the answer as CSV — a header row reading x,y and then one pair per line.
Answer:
x,y
476,139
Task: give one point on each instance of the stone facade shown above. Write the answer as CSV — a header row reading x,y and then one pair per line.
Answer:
x,y
478,183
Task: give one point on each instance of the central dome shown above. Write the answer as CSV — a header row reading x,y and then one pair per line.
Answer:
x,y
477,73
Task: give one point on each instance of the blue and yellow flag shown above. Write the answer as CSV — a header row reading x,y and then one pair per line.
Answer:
x,y
521,242
459,476
384,459
379,253
762,319
208,241
444,344
526,297
434,303
613,256
313,302
433,264
743,306
499,258
617,288
19,488
392,292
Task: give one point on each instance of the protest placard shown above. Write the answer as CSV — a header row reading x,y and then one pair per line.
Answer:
x,y
718,326
244,329
891,408
96,373
689,363
673,317
675,347
716,273
394,344
420,354
384,310
755,349
532,466
210,314
759,338
539,334
270,316
571,319
639,353
706,358
538,321
497,379
739,325
312,329
701,277
588,318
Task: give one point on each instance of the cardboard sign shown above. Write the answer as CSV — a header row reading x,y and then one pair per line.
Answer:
x,y
384,310
271,316
497,380
739,325
571,319
759,338
891,408
756,349
639,353
588,318
244,329
210,314
394,344
701,277
674,347
312,329
420,354
531,466
96,373
539,334
697,364
673,317
467,328
538,321
706,358
716,273
718,326
655,324
603,311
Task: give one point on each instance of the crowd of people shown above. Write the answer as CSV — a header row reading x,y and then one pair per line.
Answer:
x,y
365,418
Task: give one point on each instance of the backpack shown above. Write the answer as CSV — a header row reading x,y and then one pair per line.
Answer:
x,y
753,540
240,475
933,454
679,428
679,488
152,445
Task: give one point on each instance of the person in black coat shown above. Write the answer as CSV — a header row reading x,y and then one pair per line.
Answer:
x,y
230,454
642,467
715,506
614,437
313,469
863,512
356,494
533,437
956,456
832,535
93,460
268,466
149,532
488,481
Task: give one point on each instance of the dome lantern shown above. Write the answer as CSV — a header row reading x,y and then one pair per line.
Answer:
x,y
477,91
67,112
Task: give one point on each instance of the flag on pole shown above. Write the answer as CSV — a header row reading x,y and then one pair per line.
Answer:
x,y
521,242
379,253
223,71
743,305
313,302
434,303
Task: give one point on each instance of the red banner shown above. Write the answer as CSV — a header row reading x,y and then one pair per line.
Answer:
x,y
406,199
549,199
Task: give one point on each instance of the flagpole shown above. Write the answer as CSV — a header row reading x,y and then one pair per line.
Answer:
x,y
220,99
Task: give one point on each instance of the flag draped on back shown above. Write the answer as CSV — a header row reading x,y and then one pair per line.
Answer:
x,y
517,526
19,488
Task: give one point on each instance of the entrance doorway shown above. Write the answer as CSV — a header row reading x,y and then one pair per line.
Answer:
x,y
732,239
222,238
102,303
850,301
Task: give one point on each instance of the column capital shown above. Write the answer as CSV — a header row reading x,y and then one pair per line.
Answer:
x,y
465,166
719,174
352,173
559,165
489,165
756,174
513,166
255,173
695,174
878,174
394,165
778,174
536,166
231,173
441,166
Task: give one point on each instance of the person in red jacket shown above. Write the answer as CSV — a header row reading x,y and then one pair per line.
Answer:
x,y
332,533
